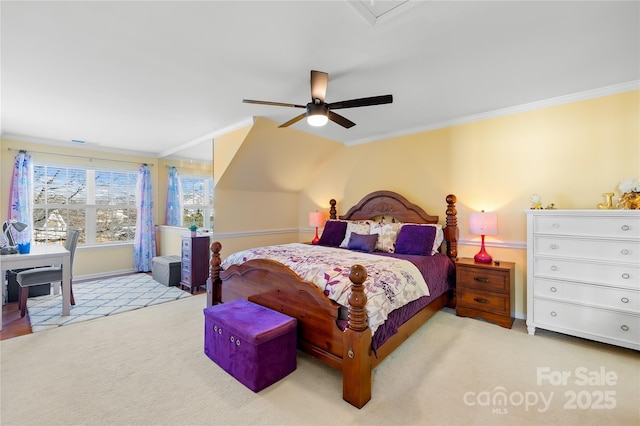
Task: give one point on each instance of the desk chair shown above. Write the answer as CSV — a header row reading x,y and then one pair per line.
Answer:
x,y
46,275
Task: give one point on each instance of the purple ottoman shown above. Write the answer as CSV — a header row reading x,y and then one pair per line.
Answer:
x,y
254,344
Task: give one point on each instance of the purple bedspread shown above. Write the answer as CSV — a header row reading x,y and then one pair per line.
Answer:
x,y
439,273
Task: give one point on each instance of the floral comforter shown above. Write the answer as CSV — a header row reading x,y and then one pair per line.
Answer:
x,y
390,284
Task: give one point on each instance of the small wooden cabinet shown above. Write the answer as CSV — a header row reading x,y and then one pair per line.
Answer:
x,y
485,290
195,262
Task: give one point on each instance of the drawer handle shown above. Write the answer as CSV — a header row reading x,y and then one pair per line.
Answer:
x,y
481,279
479,300
625,251
624,327
553,246
554,268
553,289
625,227
556,225
625,276
554,314
624,300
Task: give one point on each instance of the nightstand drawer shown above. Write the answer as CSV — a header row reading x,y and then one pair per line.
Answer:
x,y
485,279
484,301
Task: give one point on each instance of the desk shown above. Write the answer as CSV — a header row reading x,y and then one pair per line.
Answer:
x,y
44,255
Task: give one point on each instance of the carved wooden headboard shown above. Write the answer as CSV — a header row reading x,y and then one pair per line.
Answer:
x,y
389,203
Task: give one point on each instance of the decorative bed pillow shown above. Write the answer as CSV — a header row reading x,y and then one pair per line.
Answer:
x,y
387,235
416,239
333,233
359,227
362,242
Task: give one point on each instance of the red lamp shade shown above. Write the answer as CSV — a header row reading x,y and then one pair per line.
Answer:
x,y
483,224
316,220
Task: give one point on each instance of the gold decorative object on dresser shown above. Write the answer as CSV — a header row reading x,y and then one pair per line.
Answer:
x,y
485,290
583,274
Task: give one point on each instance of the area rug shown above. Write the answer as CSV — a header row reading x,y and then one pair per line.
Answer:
x,y
95,299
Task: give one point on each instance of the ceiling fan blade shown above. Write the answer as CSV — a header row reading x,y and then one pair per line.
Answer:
x,y
353,103
294,120
250,101
344,122
319,82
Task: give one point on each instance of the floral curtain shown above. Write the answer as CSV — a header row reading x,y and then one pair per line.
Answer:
x,y
173,210
20,196
144,246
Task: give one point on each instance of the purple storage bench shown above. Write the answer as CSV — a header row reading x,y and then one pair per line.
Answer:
x,y
254,344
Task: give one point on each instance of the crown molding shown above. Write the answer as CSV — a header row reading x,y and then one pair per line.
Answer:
x,y
545,103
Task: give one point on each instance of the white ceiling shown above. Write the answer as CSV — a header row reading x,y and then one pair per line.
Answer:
x,y
157,77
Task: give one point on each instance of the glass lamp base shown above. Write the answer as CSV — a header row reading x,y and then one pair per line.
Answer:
x,y
482,256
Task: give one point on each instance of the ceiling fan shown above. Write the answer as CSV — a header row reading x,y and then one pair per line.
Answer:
x,y
318,111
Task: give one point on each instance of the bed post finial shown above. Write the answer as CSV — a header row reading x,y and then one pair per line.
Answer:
x,y
357,299
333,214
214,290
356,357
451,230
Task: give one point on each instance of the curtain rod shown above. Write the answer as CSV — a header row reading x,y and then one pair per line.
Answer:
x,y
187,168
81,156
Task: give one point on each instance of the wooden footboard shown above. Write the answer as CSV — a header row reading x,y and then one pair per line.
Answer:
x,y
271,284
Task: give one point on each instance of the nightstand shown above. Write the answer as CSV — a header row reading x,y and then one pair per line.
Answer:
x,y
485,290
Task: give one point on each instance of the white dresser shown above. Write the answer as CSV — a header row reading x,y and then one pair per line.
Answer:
x,y
583,274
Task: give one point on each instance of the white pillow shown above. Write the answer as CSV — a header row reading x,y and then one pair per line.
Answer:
x,y
387,235
359,227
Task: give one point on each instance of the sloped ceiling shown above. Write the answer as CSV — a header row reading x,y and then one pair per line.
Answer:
x,y
276,160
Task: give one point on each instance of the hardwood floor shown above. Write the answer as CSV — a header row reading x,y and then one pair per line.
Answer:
x,y
14,326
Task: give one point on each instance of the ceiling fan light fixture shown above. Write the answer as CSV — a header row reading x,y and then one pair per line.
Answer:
x,y
317,115
317,120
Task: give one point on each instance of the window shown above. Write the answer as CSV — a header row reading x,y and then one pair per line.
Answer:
x,y
197,193
102,203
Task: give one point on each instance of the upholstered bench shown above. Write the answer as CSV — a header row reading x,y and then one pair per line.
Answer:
x,y
254,344
166,269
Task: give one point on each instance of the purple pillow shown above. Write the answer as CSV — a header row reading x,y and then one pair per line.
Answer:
x,y
333,233
366,243
415,239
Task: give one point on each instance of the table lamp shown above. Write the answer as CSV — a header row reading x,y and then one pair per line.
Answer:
x,y
6,231
483,224
316,219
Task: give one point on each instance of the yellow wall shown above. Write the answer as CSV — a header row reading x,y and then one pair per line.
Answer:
x,y
568,154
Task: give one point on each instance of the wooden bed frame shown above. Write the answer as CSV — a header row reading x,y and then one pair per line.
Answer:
x,y
273,285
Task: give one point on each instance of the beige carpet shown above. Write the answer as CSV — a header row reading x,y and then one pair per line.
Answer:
x,y
148,367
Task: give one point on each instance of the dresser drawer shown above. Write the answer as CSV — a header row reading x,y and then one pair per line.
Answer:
x,y
588,272
619,251
485,279
605,297
484,301
186,244
601,323
611,227
185,276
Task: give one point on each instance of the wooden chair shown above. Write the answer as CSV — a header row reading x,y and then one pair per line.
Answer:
x,y
46,275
